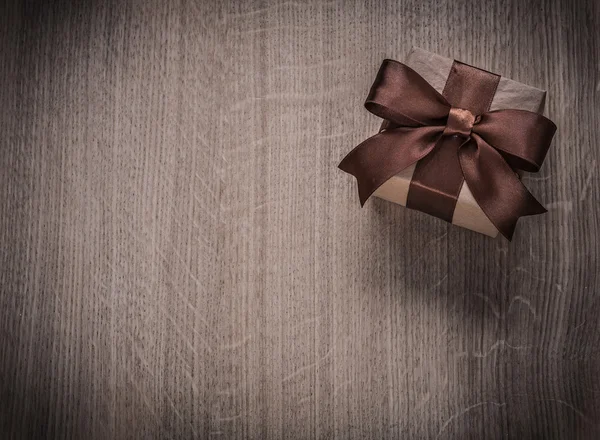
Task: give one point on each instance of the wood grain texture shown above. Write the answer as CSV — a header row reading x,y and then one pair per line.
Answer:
x,y
181,258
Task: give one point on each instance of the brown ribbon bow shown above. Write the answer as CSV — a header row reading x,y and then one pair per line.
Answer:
x,y
480,147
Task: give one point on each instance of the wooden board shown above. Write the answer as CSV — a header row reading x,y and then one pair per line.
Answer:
x,y
181,258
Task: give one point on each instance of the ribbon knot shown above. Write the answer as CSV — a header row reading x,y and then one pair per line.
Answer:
x,y
417,118
460,122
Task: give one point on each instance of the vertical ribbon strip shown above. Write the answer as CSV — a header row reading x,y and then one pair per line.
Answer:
x,y
438,179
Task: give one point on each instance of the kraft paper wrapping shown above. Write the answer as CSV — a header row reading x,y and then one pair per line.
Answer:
x,y
509,95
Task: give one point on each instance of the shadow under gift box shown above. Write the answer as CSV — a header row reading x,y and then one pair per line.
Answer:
x,y
509,95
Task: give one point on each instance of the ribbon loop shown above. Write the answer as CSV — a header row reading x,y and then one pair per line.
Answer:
x,y
402,96
523,138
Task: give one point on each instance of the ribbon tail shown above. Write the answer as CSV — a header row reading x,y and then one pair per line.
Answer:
x,y
495,186
382,156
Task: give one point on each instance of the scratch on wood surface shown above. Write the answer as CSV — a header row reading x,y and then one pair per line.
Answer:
x,y
528,272
236,344
147,403
300,324
207,186
335,135
588,181
488,302
178,414
206,209
307,367
322,64
276,29
424,400
435,240
239,105
577,411
248,15
295,96
437,284
262,205
305,399
341,387
183,337
465,411
532,254
539,178
499,346
228,418
227,392
564,205
526,302
187,370
565,403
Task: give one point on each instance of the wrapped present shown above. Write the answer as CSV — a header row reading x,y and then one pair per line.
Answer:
x,y
453,143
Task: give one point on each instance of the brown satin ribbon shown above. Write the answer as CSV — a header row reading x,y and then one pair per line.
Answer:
x,y
438,179
453,138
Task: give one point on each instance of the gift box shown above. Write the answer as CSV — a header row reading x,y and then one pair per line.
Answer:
x,y
454,142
